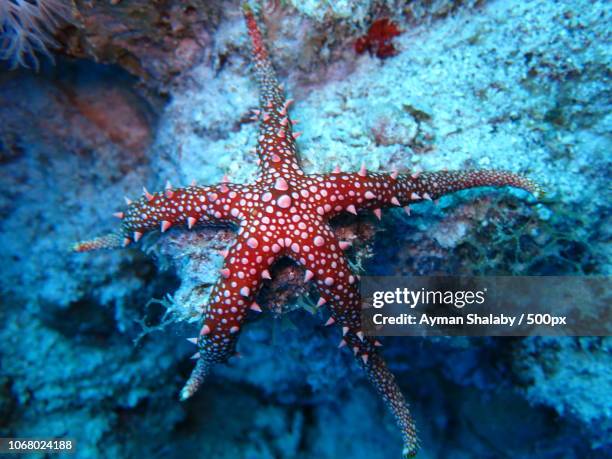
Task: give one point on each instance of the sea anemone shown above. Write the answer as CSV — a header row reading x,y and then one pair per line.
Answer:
x,y
26,28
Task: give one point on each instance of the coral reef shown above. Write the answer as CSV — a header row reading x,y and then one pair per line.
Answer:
x,y
517,85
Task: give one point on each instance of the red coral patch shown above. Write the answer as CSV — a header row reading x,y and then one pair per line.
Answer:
x,y
378,40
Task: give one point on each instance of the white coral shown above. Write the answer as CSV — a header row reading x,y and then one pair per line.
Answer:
x,y
26,28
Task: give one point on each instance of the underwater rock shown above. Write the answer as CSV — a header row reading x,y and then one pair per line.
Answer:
x,y
572,376
152,40
157,41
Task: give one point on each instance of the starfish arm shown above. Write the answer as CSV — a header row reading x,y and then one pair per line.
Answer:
x,y
325,263
381,377
182,206
276,143
432,185
363,190
320,253
242,274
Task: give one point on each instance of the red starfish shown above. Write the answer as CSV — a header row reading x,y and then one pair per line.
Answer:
x,y
285,213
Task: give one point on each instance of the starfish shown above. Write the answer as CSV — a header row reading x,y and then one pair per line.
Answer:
x,y
285,213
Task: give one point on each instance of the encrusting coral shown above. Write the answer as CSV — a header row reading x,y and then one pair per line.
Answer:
x,y
285,213
378,39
